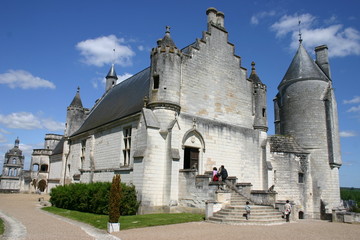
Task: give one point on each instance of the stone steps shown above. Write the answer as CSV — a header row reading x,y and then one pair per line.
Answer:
x,y
234,213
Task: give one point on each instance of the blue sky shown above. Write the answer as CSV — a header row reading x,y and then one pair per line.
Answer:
x,y
49,48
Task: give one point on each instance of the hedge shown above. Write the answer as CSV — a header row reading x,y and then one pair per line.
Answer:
x,y
93,198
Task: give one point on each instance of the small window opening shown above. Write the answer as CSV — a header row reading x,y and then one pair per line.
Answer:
x,y
301,177
156,81
301,215
263,112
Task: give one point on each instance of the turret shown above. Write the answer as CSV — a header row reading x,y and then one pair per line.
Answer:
x,y
259,96
165,74
75,116
111,78
305,108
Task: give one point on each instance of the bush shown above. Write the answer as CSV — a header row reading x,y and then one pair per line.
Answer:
x,y
93,198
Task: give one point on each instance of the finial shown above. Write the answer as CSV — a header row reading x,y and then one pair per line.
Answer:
x,y
78,89
300,39
167,29
253,66
114,56
146,100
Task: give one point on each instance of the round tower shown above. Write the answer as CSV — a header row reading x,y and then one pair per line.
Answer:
x,y
75,115
259,96
306,110
165,75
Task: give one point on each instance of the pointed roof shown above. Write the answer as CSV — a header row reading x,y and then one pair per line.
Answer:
x,y
76,102
253,76
167,40
303,67
111,73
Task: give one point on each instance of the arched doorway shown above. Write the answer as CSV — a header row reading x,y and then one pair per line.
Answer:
x,y
194,145
42,185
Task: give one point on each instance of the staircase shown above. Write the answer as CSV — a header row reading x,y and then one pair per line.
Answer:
x,y
234,213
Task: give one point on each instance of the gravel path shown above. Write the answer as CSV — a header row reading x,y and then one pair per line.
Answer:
x,y
22,211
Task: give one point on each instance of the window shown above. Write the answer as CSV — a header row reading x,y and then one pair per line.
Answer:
x,y
127,145
263,112
83,151
44,168
301,177
14,161
156,81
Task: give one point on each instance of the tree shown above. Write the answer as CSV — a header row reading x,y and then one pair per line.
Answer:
x,y
114,199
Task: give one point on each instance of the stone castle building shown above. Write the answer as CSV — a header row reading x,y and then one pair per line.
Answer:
x,y
13,175
166,127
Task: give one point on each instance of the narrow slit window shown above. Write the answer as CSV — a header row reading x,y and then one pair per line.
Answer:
x,y
127,146
156,81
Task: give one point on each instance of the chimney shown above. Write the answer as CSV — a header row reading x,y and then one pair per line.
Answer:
x,y
322,59
220,19
211,15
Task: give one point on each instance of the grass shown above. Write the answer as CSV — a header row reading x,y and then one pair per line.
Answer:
x,y
2,227
127,222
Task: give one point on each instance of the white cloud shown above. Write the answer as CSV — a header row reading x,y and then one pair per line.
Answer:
x,y
100,51
4,131
25,120
341,41
2,138
347,134
289,24
354,109
255,19
53,125
23,79
123,77
356,99
141,48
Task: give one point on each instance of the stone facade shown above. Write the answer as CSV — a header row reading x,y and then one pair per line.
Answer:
x,y
12,177
167,126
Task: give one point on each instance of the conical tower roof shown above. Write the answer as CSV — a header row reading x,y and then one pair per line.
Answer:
x,y
253,76
76,102
303,67
167,40
111,73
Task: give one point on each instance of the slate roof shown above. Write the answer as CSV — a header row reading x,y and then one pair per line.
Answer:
x,y
253,75
59,147
76,102
122,100
303,67
287,144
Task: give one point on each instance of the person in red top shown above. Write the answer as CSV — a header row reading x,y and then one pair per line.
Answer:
x,y
215,176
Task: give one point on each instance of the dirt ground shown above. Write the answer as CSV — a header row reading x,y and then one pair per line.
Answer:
x,y
24,208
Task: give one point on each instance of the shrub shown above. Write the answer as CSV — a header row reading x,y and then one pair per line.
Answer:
x,y
93,198
114,200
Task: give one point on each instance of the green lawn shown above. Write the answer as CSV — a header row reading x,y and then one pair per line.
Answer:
x,y
127,222
2,227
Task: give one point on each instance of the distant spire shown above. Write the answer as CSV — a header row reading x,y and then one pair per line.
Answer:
x,y
300,39
17,142
76,102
